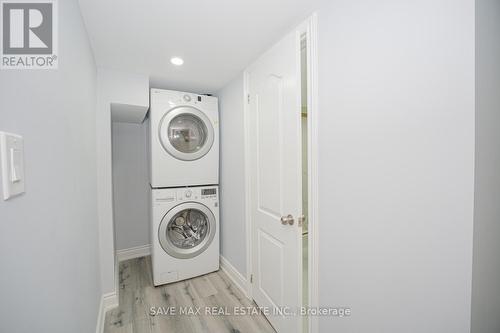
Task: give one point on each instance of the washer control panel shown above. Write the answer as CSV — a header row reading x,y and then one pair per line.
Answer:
x,y
185,194
194,193
209,192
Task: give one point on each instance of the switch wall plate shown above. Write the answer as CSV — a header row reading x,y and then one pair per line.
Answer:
x,y
12,164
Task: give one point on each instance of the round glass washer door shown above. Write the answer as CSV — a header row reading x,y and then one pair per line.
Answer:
x,y
186,133
187,230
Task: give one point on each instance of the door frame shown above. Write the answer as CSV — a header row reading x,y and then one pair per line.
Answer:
x,y
309,26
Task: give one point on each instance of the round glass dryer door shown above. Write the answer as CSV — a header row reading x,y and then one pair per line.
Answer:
x,y
187,230
186,133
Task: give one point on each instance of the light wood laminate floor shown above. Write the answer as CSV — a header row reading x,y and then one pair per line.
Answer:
x,y
138,296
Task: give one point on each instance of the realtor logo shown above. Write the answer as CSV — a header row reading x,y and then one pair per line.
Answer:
x,y
29,34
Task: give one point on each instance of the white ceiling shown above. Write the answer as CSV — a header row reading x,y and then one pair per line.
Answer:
x,y
217,39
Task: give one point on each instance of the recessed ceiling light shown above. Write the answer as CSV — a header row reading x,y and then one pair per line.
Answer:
x,y
177,61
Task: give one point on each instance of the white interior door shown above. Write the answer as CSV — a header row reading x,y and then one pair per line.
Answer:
x,y
275,187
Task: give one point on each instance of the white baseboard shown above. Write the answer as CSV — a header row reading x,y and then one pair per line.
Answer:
x,y
235,276
133,252
108,301
100,318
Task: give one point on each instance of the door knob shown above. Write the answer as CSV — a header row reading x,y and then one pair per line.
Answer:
x,y
287,220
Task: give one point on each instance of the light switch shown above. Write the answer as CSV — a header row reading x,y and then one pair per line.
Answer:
x,y
15,165
12,164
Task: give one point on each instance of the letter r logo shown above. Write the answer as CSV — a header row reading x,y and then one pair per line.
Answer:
x,y
27,27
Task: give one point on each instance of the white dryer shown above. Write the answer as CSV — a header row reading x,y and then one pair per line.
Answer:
x,y
184,139
185,233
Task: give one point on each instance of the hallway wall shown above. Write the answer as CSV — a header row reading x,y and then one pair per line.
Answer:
x,y
396,164
130,186
486,268
115,90
49,260
232,174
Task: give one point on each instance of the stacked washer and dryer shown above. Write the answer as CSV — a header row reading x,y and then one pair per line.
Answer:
x,y
184,176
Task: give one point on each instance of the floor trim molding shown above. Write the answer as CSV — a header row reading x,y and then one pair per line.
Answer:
x,y
108,301
133,252
236,277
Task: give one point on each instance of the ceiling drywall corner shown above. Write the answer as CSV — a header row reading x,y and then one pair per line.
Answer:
x,y
127,113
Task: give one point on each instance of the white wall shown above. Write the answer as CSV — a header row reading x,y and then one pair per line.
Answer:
x,y
49,280
396,167
114,90
486,268
396,158
130,185
232,174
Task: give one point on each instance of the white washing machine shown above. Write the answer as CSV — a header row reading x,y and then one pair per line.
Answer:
x,y
184,139
185,233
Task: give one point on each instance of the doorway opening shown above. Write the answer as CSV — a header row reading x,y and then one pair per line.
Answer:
x,y
305,175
